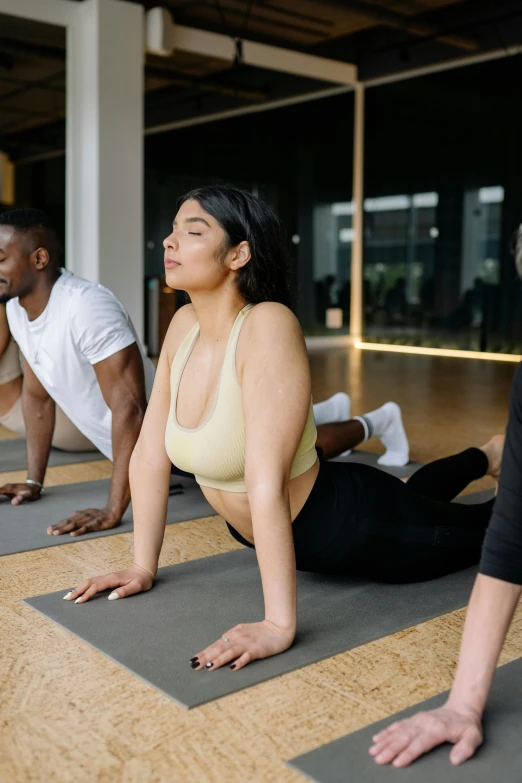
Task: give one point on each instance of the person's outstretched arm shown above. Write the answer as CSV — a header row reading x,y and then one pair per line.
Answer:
x,y
39,411
459,721
493,601
122,384
149,484
276,393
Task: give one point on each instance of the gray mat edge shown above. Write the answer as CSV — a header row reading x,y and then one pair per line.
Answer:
x,y
290,763
245,687
117,531
430,703
110,657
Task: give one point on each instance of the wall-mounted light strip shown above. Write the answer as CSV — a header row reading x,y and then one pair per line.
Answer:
x,y
448,352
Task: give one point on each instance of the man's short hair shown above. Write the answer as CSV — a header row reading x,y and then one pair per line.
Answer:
x,y
38,223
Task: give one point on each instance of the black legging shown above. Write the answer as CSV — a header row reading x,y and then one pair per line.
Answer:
x,y
362,521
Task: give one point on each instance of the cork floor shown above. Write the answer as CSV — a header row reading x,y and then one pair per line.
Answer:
x,y
67,713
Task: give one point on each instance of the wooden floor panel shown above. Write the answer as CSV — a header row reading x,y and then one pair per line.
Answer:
x,y
67,713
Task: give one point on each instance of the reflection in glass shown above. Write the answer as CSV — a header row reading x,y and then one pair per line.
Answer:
x,y
423,284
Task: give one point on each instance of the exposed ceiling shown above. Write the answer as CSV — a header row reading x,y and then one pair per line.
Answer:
x,y
380,36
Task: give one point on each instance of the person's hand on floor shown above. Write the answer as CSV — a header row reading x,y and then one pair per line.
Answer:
x,y
87,521
129,582
21,493
243,644
404,741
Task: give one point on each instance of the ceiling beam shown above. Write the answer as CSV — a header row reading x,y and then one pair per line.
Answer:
x,y
59,12
223,47
379,14
174,77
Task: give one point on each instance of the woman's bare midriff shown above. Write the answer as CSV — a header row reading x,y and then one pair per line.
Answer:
x,y
235,509
9,393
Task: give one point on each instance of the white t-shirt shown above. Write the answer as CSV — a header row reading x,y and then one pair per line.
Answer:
x,y
83,324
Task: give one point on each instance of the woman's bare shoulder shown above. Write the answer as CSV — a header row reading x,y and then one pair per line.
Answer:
x,y
271,330
269,320
182,322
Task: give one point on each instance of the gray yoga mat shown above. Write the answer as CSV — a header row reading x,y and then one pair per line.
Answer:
x,y
366,458
193,603
24,527
13,456
500,758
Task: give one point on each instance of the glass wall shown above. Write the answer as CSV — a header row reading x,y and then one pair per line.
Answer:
x,y
444,196
333,235
401,234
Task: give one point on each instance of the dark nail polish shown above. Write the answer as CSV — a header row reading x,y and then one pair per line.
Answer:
x,y
195,665
233,666
209,665
194,659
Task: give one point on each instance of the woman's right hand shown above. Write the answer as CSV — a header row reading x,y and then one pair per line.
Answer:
x,y
128,582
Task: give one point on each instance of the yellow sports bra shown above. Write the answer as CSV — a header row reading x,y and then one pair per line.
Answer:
x,y
215,451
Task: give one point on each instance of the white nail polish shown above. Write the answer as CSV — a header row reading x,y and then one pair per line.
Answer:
x,y
68,595
77,600
113,596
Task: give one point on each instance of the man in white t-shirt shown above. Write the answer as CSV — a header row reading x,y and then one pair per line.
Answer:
x,y
80,352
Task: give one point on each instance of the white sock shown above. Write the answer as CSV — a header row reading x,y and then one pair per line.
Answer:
x,y
386,424
336,408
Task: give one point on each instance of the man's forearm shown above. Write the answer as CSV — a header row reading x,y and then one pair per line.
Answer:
x,y
489,615
39,418
126,426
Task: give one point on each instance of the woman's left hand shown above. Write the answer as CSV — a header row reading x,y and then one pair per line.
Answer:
x,y
243,644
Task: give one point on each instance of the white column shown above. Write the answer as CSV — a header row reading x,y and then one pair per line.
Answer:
x,y
105,149
356,295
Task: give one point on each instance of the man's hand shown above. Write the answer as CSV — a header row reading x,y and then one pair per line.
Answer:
x,y
21,493
86,521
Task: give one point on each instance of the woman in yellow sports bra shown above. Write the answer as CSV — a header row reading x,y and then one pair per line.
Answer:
x,y
232,404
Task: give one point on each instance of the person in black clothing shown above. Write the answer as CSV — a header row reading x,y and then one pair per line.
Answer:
x,y
493,602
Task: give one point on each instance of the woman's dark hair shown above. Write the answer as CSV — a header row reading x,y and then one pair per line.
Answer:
x,y
244,217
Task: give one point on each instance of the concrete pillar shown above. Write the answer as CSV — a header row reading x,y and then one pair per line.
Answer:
x,y
104,235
